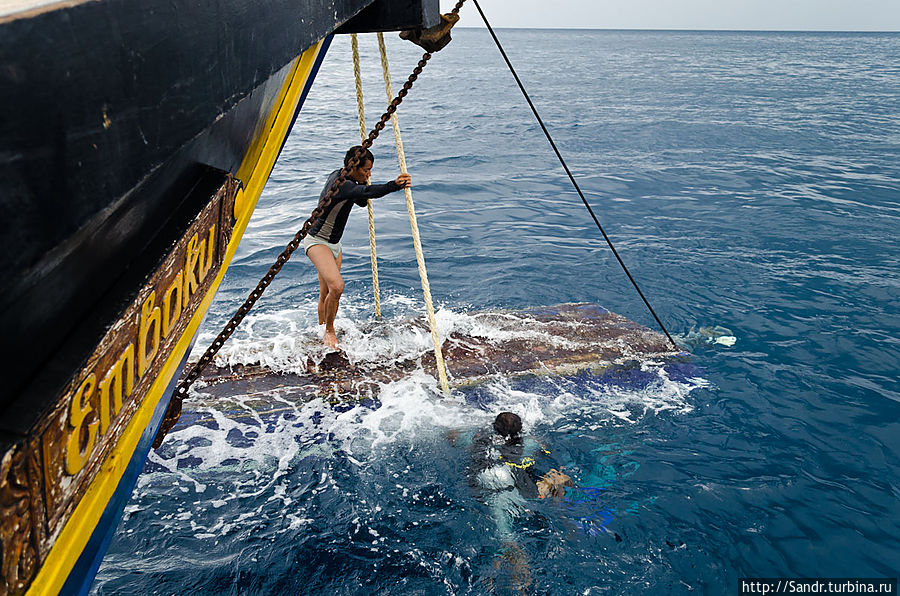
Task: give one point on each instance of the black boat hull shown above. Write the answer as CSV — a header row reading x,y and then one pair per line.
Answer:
x,y
134,143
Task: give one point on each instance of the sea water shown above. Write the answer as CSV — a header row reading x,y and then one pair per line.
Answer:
x,y
751,182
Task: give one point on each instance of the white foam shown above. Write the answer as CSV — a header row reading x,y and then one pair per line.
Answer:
x,y
409,412
286,340
283,341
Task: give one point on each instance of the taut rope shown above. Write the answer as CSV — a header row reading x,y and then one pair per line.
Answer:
x,y
414,226
362,137
569,173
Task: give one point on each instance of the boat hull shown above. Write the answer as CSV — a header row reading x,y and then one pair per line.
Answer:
x,y
82,459
135,159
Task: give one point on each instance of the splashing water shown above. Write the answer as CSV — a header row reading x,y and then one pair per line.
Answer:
x,y
382,479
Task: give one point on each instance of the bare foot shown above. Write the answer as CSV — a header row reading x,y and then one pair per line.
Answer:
x,y
331,341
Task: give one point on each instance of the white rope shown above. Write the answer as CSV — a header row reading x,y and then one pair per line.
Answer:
x,y
417,242
362,137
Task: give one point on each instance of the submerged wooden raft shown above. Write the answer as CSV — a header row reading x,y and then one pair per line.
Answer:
x,y
556,340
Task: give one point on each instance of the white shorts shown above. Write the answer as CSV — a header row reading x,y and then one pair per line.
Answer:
x,y
314,240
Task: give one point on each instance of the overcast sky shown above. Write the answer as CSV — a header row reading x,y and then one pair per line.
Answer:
x,y
778,15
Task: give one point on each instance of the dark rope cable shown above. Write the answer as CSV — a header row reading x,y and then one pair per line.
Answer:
x,y
571,177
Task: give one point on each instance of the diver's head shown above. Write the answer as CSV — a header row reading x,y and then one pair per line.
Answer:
x,y
508,425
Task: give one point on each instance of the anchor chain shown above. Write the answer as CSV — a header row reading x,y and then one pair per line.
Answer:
x,y
174,410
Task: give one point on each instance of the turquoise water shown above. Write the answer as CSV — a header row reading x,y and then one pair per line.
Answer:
x,y
750,180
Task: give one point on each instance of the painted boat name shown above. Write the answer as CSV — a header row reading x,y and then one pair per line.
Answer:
x,y
94,404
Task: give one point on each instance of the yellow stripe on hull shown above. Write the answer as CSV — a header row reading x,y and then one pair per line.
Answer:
x,y
254,172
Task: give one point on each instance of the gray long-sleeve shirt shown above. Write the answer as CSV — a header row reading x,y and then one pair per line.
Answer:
x,y
330,227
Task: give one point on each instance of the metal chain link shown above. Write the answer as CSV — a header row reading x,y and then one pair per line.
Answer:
x,y
174,409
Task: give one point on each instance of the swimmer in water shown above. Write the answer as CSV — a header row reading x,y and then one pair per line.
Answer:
x,y
503,477
511,461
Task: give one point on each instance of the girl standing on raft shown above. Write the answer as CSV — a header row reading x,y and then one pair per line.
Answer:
x,y
323,243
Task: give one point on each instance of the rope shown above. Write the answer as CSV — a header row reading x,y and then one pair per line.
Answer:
x,y
571,177
411,209
354,47
362,137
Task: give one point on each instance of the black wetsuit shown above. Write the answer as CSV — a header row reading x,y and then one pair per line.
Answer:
x,y
330,227
486,453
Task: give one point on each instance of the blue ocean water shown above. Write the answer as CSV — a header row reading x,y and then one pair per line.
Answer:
x,y
751,181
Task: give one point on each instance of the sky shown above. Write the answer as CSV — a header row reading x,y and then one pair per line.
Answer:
x,y
769,15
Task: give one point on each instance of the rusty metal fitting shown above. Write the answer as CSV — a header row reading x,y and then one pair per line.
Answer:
x,y
433,39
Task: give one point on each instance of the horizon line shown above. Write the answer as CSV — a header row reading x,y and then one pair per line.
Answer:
x,y
692,30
